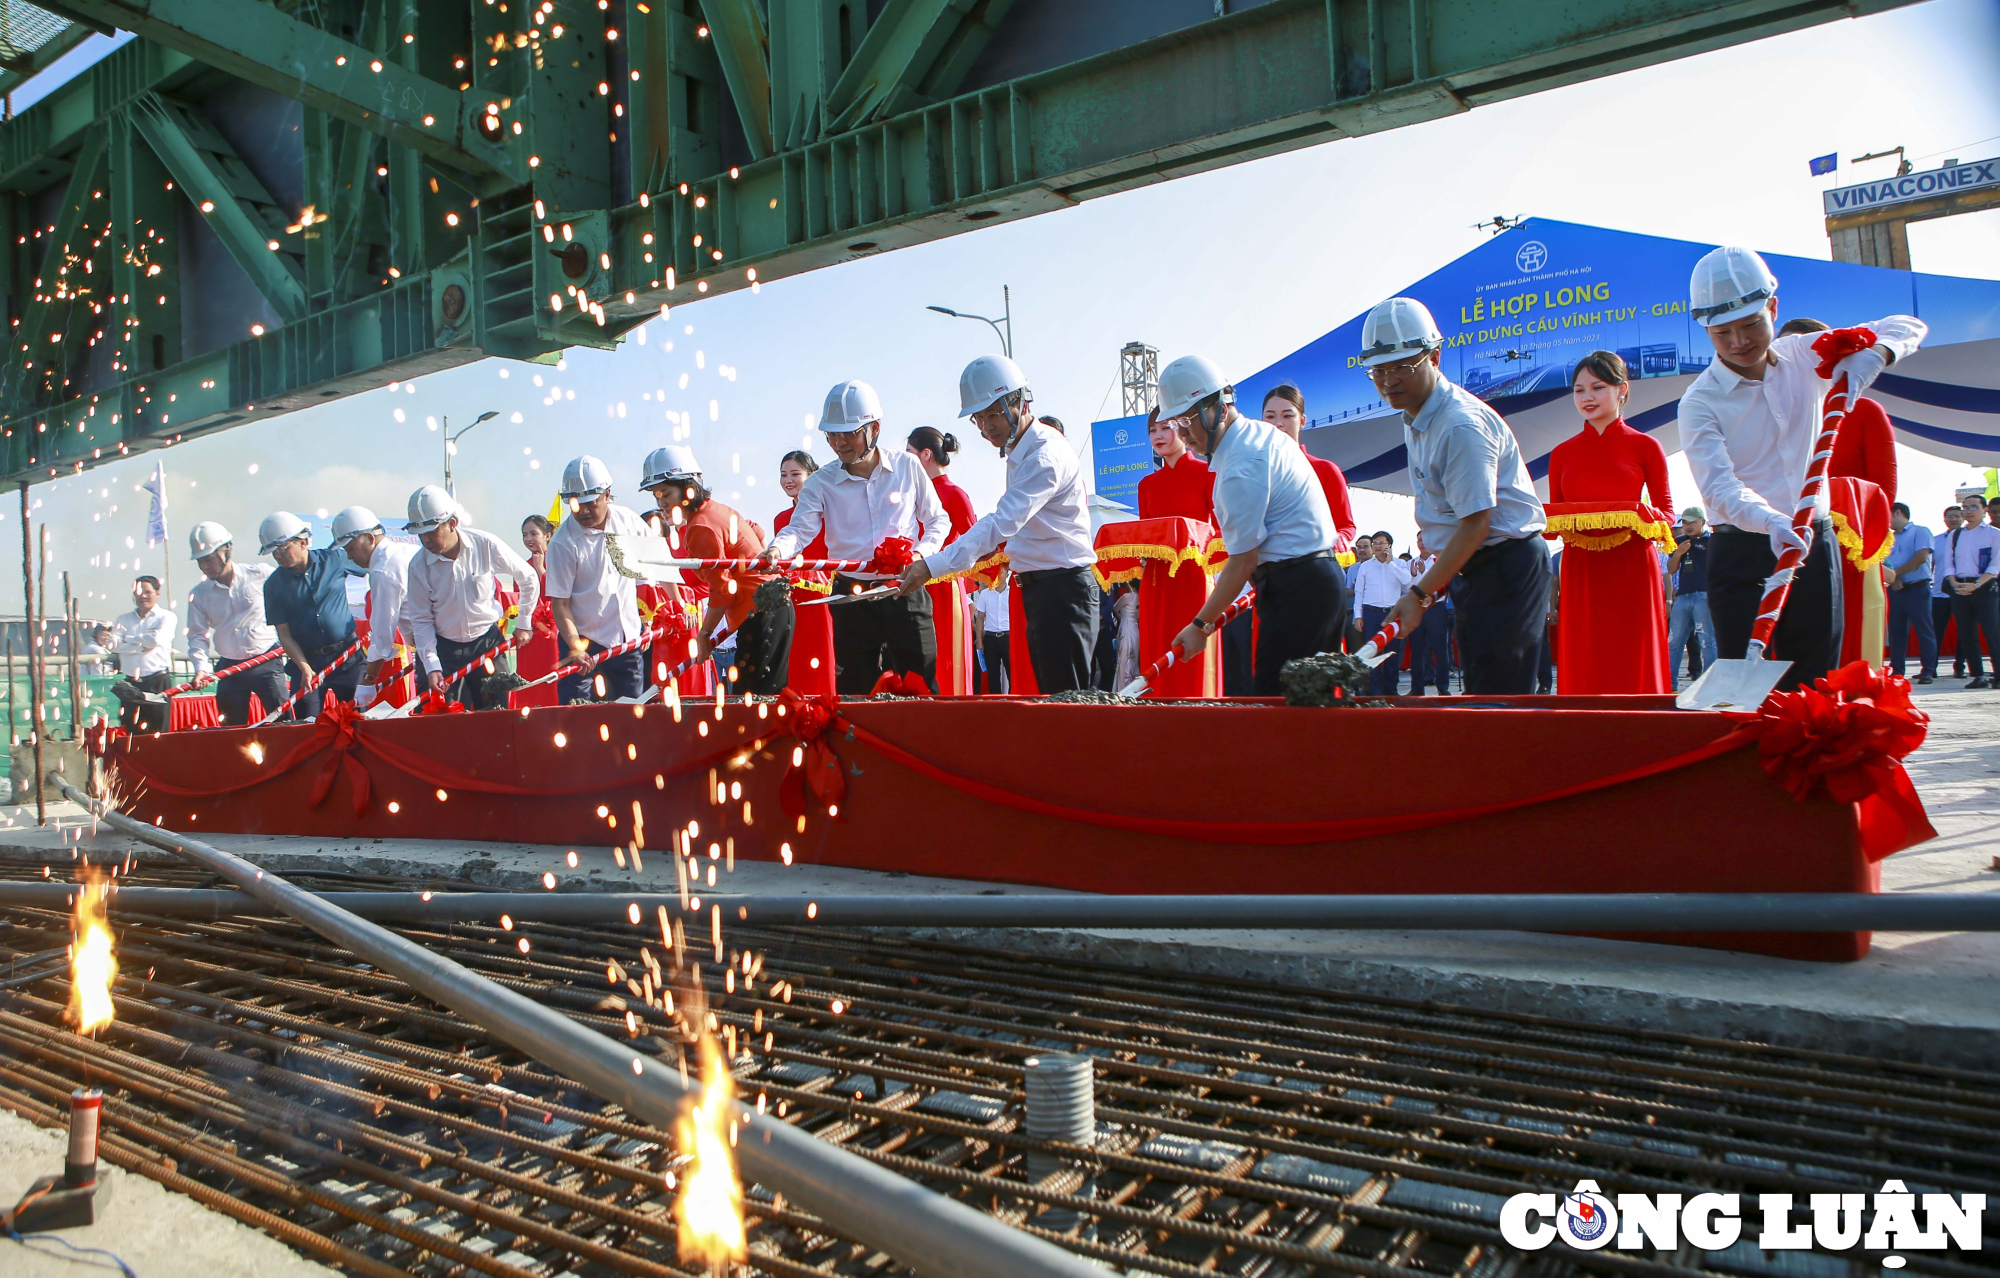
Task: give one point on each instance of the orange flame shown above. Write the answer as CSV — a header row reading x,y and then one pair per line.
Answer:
x,y
92,963
710,1206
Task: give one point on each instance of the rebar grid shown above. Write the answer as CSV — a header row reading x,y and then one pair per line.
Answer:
x,y
1242,1129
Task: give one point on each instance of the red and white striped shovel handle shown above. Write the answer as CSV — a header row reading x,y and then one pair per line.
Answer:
x,y
1383,638
1152,673
1779,584
311,684
238,668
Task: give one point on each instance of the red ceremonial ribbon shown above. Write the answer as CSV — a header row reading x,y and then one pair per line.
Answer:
x,y
907,684
238,668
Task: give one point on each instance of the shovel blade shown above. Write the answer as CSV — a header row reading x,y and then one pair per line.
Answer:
x,y
1381,657
1733,685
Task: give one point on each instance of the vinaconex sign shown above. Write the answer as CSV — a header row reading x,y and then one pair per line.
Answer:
x,y
1912,186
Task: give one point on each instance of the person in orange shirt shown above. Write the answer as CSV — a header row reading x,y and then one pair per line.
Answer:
x,y
704,528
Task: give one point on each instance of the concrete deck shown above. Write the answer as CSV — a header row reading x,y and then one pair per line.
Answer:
x,y
1929,997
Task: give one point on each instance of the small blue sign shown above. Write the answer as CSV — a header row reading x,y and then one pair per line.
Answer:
x,y
1123,456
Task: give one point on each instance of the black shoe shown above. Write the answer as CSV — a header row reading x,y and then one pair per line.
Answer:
x,y
1977,684
1924,679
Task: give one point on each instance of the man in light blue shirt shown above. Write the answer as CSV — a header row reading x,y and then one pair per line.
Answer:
x,y
1908,575
1475,504
1274,521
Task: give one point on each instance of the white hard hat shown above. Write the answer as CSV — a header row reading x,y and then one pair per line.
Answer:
x,y
1728,284
672,462
207,537
430,508
1396,330
1188,381
278,528
850,406
586,477
988,380
352,522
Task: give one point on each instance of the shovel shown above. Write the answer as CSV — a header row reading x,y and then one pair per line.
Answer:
x,y
1745,684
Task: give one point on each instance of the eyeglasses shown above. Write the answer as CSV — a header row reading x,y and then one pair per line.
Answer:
x,y
1383,371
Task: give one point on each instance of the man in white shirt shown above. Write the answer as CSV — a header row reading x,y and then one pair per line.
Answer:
x,y
226,627
1379,581
870,496
996,635
357,531
1041,519
1475,505
1748,423
144,641
451,602
1274,522
1971,560
1954,519
595,606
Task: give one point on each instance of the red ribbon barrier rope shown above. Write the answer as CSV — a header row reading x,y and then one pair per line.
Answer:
x,y
1151,674
311,684
212,677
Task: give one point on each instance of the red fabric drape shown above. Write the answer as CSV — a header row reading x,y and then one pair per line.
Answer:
x,y
1169,559
1020,670
539,656
812,631
955,666
1866,447
1862,531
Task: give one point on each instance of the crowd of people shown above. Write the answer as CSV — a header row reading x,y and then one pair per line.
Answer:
x,y
1478,596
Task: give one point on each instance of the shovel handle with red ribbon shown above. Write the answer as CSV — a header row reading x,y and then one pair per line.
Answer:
x,y
1779,584
202,681
1152,673
1375,651
311,684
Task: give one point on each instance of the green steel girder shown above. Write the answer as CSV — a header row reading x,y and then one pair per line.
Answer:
x,y
43,321
263,45
917,52
236,204
633,192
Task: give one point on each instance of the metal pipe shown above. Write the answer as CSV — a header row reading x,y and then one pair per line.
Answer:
x,y
34,662
932,1234
1619,912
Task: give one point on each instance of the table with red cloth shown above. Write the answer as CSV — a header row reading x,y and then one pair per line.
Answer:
x,y
198,710
1171,559
1860,517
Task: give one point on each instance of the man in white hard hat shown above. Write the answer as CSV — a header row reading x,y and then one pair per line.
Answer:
x,y
306,599
1476,506
451,603
226,627
1042,519
595,607
700,527
362,536
1748,423
1273,519
145,647
874,494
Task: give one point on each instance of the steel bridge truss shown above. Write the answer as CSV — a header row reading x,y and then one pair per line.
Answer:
x,y
255,207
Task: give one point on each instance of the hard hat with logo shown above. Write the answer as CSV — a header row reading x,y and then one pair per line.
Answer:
x,y
207,537
850,406
988,380
352,522
586,477
1188,381
1729,283
431,508
673,463
1396,330
278,528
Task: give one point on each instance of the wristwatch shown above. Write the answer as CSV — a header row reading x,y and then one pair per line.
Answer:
x,y
1424,597
1206,627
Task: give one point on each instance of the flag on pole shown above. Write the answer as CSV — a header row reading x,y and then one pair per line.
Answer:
x,y
1825,164
557,509
156,518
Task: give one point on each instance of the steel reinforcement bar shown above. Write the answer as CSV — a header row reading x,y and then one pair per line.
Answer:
x,y
932,1234
1629,912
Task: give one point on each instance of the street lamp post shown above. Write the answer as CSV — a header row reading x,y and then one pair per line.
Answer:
x,y
1007,317
451,445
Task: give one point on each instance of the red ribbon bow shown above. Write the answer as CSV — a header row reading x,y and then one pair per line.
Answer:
x,y
337,730
1849,733
1837,344
892,556
910,684
433,702
818,773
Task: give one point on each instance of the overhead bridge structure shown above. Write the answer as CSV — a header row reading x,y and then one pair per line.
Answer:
x,y
255,207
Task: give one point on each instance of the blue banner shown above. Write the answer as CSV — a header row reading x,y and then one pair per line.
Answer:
x,y
1122,457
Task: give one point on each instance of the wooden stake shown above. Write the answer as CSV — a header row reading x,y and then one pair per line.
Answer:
x,y
34,653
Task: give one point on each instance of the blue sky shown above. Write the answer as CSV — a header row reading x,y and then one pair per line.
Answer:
x,y
1242,265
